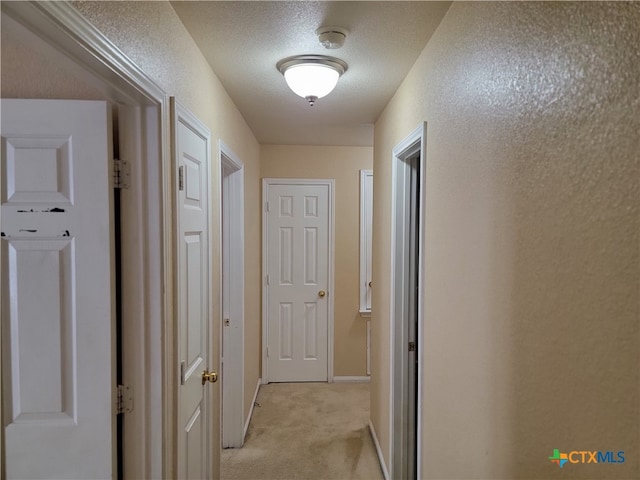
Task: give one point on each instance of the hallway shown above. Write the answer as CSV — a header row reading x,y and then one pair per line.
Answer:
x,y
306,431
527,336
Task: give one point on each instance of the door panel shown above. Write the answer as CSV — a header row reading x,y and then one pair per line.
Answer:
x,y
197,403
57,302
298,273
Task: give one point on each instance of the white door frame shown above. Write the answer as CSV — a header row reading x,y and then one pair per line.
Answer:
x,y
414,143
232,295
150,443
266,182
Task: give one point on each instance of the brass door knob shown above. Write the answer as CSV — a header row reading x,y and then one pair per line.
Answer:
x,y
322,293
208,376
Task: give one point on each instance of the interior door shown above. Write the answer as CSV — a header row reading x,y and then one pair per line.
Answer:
x,y
232,362
196,401
57,289
297,289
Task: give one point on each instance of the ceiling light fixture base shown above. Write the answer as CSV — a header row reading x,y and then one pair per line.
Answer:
x,y
338,65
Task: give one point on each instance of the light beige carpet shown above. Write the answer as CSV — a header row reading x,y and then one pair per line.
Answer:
x,y
306,431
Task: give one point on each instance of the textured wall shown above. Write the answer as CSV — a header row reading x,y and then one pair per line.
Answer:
x,y
342,164
28,71
531,239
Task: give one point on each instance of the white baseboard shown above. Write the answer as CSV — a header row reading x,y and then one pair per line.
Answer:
x,y
253,404
374,437
343,379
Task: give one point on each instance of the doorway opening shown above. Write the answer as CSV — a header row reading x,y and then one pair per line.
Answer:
x,y
117,243
232,349
406,303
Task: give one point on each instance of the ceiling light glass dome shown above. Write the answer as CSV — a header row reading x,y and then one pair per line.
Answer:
x,y
312,76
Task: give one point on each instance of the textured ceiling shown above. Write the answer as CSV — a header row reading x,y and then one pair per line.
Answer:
x,y
243,41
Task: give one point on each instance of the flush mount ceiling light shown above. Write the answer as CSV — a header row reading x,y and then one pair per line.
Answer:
x,y
311,76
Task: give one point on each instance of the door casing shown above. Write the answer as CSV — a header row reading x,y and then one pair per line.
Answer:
x,y
232,294
72,42
330,274
403,161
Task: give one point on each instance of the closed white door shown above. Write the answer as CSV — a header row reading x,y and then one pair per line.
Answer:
x,y
57,285
298,281
196,400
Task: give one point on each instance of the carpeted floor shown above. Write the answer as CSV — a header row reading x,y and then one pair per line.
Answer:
x,y
306,431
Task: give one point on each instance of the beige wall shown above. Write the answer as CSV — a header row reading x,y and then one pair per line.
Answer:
x,y
342,164
28,71
152,35
531,239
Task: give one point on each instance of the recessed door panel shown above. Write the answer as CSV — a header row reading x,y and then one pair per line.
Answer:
x,y
310,256
43,323
286,256
311,346
286,331
195,336
38,169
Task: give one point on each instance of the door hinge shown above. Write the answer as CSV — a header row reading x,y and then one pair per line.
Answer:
x,y
266,207
183,371
181,177
267,279
121,173
412,346
124,399
267,352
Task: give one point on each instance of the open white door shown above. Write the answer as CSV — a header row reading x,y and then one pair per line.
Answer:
x,y
196,399
298,244
57,302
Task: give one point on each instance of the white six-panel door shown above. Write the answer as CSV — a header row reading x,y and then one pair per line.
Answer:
x,y
297,281
196,400
57,309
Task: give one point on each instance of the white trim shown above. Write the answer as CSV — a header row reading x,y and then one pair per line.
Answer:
x,y
330,274
369,345
250,416
232,158
105,67
374,438
366,219
351,379
232,219
413,143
